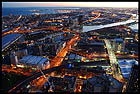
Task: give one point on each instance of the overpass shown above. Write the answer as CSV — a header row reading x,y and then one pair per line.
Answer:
x,y
34,76
93,63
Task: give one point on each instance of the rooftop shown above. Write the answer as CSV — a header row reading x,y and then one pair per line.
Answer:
x,y
33,60
8,39
105,80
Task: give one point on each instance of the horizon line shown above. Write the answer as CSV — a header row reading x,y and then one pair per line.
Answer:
x,y
68,6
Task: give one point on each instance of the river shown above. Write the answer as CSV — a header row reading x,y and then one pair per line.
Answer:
x,y
89,28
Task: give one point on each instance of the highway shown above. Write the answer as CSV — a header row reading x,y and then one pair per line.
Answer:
x,y
56,61
34,76
55,64
113,62
11,31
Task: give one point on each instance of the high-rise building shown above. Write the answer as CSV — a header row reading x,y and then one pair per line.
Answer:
x,y
132,84
80,19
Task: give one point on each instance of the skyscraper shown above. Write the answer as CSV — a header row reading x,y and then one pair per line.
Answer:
x,y
80,19
132,84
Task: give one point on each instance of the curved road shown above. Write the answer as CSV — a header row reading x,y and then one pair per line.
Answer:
x,y
34,76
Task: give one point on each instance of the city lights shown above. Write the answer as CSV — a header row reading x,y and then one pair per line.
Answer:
x,y
70,47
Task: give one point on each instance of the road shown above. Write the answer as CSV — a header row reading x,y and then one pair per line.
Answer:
x,y
113,62
11,31
14,30
19,18
98,15
56,61
34,76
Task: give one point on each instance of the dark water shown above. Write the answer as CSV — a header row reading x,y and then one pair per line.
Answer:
x,y
26,10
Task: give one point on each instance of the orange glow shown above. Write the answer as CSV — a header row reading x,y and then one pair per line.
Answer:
x,y
14,69
47,21
84,77
57,60
32,41
91,38
11,31
94,37
80,87
59,20
25,42
35,10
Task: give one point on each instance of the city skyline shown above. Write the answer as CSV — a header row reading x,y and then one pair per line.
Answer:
x,y
71,4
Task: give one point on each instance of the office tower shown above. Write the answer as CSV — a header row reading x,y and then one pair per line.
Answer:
x,y
80,19
132,84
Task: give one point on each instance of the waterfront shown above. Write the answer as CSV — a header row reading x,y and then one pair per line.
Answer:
x,y
27,10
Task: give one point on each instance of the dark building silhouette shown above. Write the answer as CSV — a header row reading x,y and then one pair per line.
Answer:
x,y
102,83
80,19
37,50
6,60
132,84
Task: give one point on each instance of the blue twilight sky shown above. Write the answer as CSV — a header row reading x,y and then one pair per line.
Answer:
x,y
71,4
